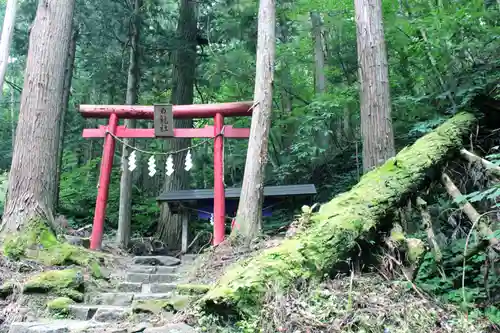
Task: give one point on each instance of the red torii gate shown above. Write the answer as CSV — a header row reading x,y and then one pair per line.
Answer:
x,y
116,112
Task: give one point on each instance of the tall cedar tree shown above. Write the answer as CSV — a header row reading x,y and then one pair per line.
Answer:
x,y
376,122
68,78
33,174
7,31
183,76
125,207
249,216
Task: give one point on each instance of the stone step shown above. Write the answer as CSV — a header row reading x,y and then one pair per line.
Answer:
x,y
78,326
154,269
58,326
99,313
146,288
155,288
189,257
156,261
132,287
151,278
123,298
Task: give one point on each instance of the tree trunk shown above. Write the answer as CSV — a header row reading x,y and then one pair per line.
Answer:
x,y
33,176
125,206
7,32
68,77
12,117
183,77
249,216
319,55
333,235
376,123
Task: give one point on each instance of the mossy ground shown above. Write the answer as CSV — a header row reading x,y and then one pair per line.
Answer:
x,y
38,242
363,304
65,283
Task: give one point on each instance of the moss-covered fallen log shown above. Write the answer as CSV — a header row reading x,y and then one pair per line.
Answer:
x,y
340,225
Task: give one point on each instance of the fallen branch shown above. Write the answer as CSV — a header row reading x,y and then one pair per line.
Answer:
x,y
469,210
491,167
431,237
340,226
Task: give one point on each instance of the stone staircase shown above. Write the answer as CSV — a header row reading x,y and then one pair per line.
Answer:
x,y
151,286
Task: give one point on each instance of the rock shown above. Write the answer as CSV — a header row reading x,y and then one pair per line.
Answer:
x,y
156,261
57,326
142,269
137,277
118,299
60,305
153,269
149,296
6,290
180,302
193,289
153,278
151,306
171,328
65,283
156,306
106,314
99,313
161,287
132,287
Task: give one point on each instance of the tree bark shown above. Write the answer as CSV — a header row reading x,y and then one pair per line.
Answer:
x,y
125,205
33,176
319,55
183,77
68,78
12,117
335,232
249,216
376,123
6,39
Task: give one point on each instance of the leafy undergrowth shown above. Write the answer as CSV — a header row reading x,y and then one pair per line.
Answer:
x,y
365,303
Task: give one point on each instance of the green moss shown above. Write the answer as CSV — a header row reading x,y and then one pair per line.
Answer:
x,y
416,249
336,231
60,305
180,302
65,283
156,306
38,242
151,306
192,289
397,234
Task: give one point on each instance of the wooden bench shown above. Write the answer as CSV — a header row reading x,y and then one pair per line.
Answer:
x,y
201,201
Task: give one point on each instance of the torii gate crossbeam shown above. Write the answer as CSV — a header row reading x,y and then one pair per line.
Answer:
x,y
116,112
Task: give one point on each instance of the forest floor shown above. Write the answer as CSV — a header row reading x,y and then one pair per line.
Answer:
x,y
356,302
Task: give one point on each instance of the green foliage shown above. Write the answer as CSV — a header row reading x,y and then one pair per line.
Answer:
x,y
441,56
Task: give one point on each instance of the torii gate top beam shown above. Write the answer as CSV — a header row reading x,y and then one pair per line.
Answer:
x,y
237,109
116,112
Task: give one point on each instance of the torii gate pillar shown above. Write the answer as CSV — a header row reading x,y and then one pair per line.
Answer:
x,y
216,111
